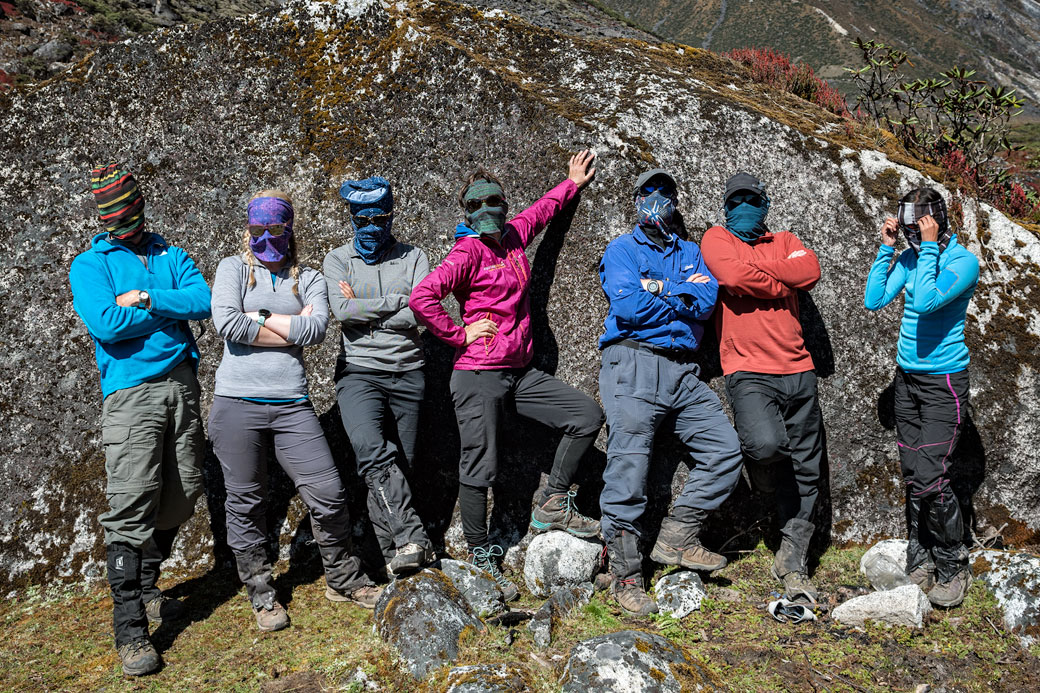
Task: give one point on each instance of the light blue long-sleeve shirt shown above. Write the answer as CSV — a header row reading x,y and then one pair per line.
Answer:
x,y
133,345
938,287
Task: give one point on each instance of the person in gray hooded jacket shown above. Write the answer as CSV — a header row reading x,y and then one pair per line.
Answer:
x,y
379,378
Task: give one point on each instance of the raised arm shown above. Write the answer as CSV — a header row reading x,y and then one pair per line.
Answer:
x,y
191,299
530,222
739,277
799,270
94,299
885,280
426,297
353,310
934,289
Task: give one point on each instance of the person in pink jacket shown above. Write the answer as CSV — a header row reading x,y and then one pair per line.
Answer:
x,y
489,275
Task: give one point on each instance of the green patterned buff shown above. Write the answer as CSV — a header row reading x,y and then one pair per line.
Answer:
x,y
485,207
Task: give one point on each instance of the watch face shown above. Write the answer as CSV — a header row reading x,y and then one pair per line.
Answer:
x,y
264,313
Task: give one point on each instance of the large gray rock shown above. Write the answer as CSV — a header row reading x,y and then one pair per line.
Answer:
x,y
632,662
902,606
679,594
53,52
487,678
563,601
422,617
884,564
423,93
557,559
478,588
1014,578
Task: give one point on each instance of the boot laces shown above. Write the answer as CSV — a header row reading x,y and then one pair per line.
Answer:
x,y
484,558
570,509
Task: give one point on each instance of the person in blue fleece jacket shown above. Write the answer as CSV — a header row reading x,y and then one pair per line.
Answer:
x,y
136,294
937,276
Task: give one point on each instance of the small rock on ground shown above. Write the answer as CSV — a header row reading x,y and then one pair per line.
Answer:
x,y
902,606
679,594
884,564
1014,578
632,662
563,601
487,678
481,592
557,559
422,616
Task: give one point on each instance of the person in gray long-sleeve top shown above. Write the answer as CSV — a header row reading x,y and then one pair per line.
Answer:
x,y
379,370
267,308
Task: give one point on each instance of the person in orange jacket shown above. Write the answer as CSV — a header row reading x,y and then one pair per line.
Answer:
x,y
770,376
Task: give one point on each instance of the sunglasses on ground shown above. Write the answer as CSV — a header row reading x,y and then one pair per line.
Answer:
x,y
374,220
753,200
257,230
491,201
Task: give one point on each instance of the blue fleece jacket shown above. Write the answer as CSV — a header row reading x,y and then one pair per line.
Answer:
x,y
675,317
133,345
938,289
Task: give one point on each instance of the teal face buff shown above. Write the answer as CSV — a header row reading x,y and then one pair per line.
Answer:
x,y
746,215
486,207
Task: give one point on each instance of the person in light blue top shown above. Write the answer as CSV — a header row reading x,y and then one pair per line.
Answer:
x,y
937,276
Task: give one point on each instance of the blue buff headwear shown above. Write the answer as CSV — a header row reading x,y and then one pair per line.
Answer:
x,y
655,198
746,206
262,211
371,214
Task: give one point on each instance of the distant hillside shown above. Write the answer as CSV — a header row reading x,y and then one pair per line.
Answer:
x,y
1001,39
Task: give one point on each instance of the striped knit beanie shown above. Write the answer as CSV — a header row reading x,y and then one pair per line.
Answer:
x,y
120,203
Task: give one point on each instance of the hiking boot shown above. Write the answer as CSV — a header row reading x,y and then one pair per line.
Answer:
x,y
678,543
485,558
270,618
139,657
626,569
923,576
559,512
951,593
163,608
409,559
790,566
365,596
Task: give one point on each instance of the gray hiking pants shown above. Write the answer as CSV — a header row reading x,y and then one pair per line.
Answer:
x,y
380,412
153,440
240,431
640,389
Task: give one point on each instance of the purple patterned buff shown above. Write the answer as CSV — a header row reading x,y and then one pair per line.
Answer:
x,y
270,210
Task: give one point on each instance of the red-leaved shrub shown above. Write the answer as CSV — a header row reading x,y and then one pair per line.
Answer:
x,y
776,69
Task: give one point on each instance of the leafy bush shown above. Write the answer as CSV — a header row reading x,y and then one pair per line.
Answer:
x,y
776,69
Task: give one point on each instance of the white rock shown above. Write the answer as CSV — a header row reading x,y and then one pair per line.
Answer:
x,y
903,606
679,594
557,559
884,564
1014,579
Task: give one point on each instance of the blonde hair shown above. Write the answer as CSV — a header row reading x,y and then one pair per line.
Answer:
x,y
294,264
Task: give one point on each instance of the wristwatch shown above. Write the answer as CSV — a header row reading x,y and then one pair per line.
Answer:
x,y
653,286
264,315
144,300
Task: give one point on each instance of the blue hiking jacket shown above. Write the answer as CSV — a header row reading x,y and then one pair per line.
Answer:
x,y
938,289
664,320
133,345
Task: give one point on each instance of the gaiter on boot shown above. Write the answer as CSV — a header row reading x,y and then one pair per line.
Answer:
x,y
790,565
919,542
944,521
395,522
626,568
254,570
124,578
152,556
342,568
678,542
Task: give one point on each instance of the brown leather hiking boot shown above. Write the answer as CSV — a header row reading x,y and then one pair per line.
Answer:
x,y
559,512
163,607
626,571
677,544
365,596
790,564
951,593
139,657
631,596
923,576
271,618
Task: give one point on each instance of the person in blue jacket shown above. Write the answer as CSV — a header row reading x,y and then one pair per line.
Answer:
x,y
660,294
136,294
938,276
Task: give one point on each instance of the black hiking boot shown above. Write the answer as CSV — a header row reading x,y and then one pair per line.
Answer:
x,y
129,621
409,559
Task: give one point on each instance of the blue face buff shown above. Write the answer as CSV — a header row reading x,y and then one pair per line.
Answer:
x,y
372,216
746,215
655,213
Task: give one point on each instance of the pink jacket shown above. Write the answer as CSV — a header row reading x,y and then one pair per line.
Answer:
x,y
489,280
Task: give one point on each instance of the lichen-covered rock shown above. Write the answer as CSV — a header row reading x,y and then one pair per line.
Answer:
x,y
679,594
1014,579
478,588
563,601
902,606
557,559
422,617
487,678
632,662
884,564
423,93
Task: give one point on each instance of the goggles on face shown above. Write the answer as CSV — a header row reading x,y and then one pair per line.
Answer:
x,y
258,230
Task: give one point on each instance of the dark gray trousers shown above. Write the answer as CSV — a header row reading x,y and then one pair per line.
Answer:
x,y
241,432
780,426
380,412
639,390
